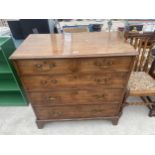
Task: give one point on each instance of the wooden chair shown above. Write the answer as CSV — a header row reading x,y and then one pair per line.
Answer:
x,y
75,29
133,37
141,84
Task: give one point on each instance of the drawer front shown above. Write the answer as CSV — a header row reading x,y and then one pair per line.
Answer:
x,y
73,97
47,82
66,66
76,111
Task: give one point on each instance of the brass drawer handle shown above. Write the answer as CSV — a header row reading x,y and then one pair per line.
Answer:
x,y
103,81
75,92
75,77
100,96
97,110
103,64
38,66
54,81
44,83
50,98
98,80
45,67
52,65
56,113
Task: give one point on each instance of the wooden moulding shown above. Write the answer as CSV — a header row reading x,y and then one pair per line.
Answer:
x,y
114,120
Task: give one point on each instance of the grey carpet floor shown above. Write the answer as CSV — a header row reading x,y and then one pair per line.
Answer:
x,y
21,120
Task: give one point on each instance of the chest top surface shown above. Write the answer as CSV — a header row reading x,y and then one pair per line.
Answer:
x,y
67,45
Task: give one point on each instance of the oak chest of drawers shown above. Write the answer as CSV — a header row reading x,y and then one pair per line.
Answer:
x,y
75,76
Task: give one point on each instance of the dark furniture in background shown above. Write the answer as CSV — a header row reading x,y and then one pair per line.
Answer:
x,y
30,26
95,27
16,29
138,27
20,29
131,27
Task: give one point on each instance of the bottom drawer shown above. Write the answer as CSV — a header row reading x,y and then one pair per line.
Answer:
x,y
76,111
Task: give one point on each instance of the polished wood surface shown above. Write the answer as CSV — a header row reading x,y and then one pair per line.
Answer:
x,y
96,44
88,84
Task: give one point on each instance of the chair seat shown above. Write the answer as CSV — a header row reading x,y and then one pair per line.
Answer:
x,y
141,84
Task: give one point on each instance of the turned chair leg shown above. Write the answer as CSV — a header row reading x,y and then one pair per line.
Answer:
x,y
152,111
152,108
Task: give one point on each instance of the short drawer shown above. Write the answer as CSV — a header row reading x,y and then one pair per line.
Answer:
x,y
47,82
66,66
76,111
73,97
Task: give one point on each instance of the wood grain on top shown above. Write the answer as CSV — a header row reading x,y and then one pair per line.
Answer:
x,y
68,45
